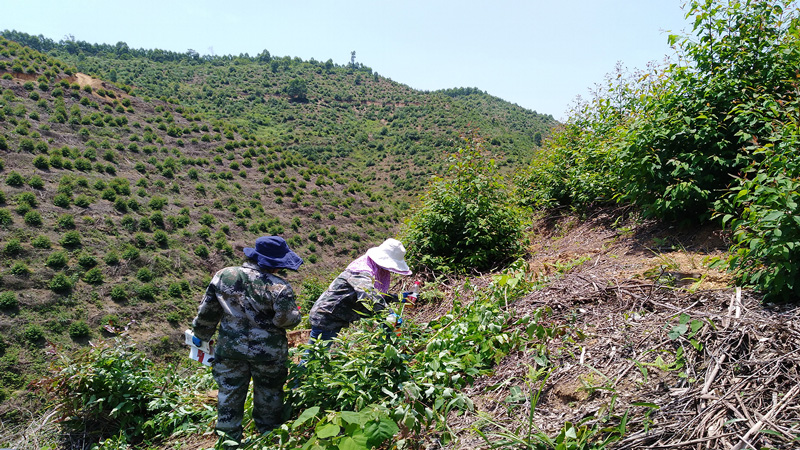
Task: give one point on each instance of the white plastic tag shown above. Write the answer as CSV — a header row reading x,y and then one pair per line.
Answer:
x,y
203,354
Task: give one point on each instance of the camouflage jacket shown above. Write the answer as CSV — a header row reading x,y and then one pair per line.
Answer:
x,y
350,297
253,309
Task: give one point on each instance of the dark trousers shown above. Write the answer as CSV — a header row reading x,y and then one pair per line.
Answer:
x,y
325,335
233,377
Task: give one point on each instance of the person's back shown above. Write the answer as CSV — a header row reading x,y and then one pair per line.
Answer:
x,y
359,290
253,308
345,301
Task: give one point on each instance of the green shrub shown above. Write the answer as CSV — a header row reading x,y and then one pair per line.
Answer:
x,y
173,317
109,194
33,218
204,233
27,198
22,208
147,292
13,247
26,145
36,182
311,289
157,219
86,260
41,241
175,290
144,275
66,221
467,221
14,179
33,333
207,220
5,218
56,161
157,203
41,162
762,212
111,258
140,240
129,223
71,239
83,201
121,204
161,239
57,259
130,252
8,300
62,200
20,269
118,293
60,283
93,276
201,251
106,391
79,329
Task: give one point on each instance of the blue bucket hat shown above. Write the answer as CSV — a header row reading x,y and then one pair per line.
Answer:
x,y
272,252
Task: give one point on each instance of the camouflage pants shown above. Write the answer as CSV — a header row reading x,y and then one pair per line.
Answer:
x,y
233,377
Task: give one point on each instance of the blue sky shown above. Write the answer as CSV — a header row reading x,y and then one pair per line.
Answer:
x,y
538,54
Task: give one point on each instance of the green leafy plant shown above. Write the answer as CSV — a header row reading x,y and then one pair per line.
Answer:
x,y
60,283
8,300
5,218
466,221
13,247
57,259
79,329
370,428
93,276
71,239
41,241
762,211
20,269
112,389
14,179
33,218
33,333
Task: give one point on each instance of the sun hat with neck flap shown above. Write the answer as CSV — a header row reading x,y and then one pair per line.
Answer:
x,y
391,256
272,252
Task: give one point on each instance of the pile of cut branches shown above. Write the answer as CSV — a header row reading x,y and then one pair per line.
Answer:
x,y
663,367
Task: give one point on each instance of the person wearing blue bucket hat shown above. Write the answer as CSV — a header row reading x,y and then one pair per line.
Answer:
x,y
253,307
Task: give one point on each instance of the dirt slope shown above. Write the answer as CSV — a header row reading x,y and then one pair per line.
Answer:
x,y
641,324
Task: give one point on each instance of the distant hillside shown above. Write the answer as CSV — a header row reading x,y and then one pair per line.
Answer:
x,y
119,200
322,110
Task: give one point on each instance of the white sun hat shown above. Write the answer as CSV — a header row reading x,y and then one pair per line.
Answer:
x,y
391,256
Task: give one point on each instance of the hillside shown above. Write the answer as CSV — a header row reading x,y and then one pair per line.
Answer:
x,y
321,110
118,203
617,332
642,346
130,175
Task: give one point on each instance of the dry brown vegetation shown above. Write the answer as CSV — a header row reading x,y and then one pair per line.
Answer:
x,y
625,285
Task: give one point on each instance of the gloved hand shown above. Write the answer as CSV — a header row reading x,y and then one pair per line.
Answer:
x,y
196,341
